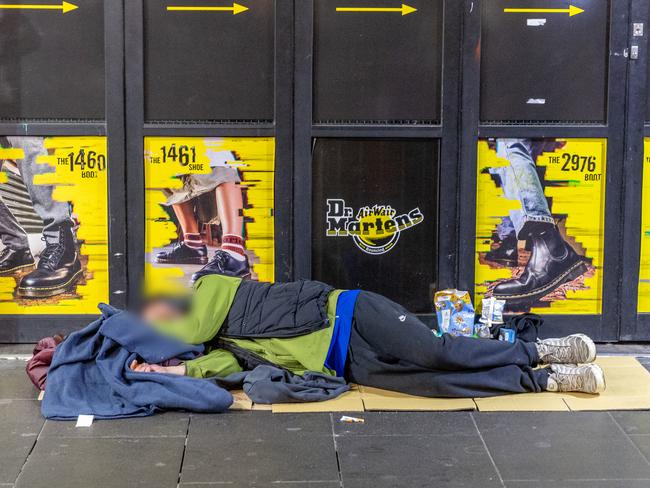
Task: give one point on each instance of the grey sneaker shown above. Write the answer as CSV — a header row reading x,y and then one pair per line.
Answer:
x,y
573,349
588,378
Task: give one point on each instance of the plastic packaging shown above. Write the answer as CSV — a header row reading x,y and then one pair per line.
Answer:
x,y
455,312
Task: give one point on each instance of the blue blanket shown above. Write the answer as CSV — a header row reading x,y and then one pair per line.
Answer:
x,y
90,373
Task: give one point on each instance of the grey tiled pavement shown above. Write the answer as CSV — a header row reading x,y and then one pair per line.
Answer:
x,y
461,449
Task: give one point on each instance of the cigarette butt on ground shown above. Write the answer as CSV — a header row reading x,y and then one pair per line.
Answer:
x,y
351,420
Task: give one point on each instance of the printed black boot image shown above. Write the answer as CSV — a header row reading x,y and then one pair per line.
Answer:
x,y
506,253
13,261
58,269
552,263
181,253
224,263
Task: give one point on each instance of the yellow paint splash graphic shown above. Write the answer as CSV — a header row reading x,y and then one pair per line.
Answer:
x,y
644,267
577,202
168,159
85,187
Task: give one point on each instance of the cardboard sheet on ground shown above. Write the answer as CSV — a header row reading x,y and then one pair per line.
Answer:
x,y
628,388
381,400
348,402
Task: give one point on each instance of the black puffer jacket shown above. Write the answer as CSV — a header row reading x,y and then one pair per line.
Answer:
x,y
278,310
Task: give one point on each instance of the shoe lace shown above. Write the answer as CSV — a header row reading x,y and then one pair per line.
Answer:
x,y
50,256
219,260
568,381
4,253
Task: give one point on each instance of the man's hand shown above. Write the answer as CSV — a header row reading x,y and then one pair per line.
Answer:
x,y
156,368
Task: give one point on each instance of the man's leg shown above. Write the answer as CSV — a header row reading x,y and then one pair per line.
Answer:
x,y
231,259
553,262
55,214
59,267
390,348
16,255
390,330
190,249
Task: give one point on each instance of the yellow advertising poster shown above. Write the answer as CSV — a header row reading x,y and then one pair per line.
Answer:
x,y
209,209
540,224
644,266
53,225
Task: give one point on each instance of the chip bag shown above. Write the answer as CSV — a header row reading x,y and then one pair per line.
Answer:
x,y
455,312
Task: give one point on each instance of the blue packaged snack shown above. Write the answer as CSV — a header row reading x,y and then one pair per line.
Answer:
x,y
507,335
455,312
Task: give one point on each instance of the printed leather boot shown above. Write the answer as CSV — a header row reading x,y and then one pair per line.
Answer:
x,y
224,264
58,268
506,254
552,263
12,261
180,253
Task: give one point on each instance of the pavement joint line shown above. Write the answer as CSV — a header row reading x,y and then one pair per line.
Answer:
x,y
187,437
38,436
16,357
629,439
487,450
336,451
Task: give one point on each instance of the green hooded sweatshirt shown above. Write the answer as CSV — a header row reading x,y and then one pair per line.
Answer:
x,y
211,302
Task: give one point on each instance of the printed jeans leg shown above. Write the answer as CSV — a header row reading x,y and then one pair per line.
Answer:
x,y
12,234
53,213
521,181
391,331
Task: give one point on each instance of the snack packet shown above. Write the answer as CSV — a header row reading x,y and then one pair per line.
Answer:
x,y
455,312
492,311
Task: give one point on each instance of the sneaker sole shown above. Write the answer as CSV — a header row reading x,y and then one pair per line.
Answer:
x,y
32,292
591,346
599,376
578,269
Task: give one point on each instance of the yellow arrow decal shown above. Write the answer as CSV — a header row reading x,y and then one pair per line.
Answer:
x,y
65,7
404,9
235,9
572,10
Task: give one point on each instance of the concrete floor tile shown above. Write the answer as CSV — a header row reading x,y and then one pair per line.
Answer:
x,y
20,423
406,423
546,446
266,458
168,424
103,463
14,383
440,461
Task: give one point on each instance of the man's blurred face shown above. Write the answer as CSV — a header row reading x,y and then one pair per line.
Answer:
x,y
160,311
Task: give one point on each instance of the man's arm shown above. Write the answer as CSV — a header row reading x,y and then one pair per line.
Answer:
x,y
218,362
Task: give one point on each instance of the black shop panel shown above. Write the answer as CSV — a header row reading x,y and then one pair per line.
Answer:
x,y
544,65
52,60
209,64
377,65
375,217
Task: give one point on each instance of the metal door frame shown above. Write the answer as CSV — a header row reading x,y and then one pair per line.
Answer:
x,y
602,327
634,326
137,129
446,131
32,327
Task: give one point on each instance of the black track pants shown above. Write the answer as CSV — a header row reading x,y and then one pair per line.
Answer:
x,y
391,348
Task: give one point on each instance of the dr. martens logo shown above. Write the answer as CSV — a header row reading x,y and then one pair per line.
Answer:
x,y
375,230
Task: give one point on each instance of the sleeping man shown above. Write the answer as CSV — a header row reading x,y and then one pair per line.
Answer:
x,y
308,326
